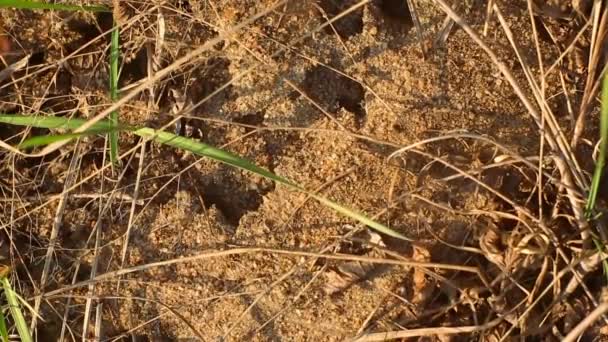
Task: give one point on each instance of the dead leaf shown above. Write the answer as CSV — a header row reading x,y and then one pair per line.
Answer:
x,y
346,275
499,304
423,288
491,244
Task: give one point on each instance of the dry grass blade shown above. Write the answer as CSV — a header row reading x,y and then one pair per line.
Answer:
x,y
11,69
140,168
254,250
598,41
393,335
57,223
419,33
553,139
547,117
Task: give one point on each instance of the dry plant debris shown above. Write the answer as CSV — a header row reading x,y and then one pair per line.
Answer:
x,y
471,127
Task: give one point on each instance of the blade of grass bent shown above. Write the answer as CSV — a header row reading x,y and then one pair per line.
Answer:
x,y
225,157
28,4
601,160
114,51
15,310
204,150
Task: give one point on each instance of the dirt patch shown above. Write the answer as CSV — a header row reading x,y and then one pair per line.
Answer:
x,y
325,112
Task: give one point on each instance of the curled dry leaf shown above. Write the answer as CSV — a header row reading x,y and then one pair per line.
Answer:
x,y
349,273
499,304
346,275
527,252
491,244
533,244
423,288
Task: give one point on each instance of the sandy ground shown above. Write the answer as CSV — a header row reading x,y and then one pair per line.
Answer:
x,y
326,112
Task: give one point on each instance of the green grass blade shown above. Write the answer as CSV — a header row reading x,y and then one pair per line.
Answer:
x,y
43,140
208,151
601,160
28,4
599,168
3,328
357,216
202,149
114,52
15,309
51,122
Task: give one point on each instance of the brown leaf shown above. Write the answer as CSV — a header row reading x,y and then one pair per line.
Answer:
x,y
335,282
346,275
491,244
423,289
